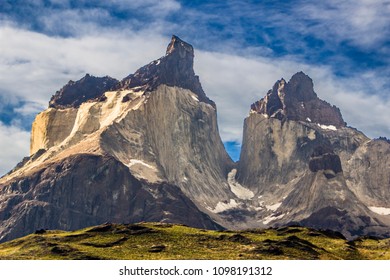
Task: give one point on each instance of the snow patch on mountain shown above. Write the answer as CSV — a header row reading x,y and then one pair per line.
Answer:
x,y
273,207
236,188
194,97
137,161
380,210
223,206
271,218
327,127
143,170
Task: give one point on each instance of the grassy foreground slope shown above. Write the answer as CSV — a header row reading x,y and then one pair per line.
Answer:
x,y
167,241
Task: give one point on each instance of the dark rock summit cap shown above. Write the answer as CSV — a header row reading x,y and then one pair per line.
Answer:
x,y
296,100
73,94
178,45
176,68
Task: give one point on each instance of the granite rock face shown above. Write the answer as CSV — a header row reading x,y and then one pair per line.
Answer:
x,y
367,172
307,167
323,158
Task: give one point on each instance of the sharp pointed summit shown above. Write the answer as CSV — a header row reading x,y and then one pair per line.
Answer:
x,y
299,157
177,45
176,68
296,100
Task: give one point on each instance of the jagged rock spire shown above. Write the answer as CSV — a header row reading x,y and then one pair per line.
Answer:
x,y
173,69
296,100
178,45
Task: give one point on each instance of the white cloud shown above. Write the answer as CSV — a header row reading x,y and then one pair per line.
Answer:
x,y
29,108
365,23
50,62
82,17
156,6
14,143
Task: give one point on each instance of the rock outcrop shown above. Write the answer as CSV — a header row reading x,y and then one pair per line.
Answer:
x,y
173,69
296,100
73,94
367,173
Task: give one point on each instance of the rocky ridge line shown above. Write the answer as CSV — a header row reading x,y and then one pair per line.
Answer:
x,y
173,69
73,94
296,100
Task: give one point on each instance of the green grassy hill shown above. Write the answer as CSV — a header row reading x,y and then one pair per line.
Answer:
x,y
165,241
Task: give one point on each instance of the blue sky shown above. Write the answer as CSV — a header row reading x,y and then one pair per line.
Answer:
x,y
241,49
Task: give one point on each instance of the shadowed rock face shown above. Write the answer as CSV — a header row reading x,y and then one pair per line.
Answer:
x,y
85,190
323,158
296,100
75,93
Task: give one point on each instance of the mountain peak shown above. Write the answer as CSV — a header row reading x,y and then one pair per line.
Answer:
x,y
176,68
178,45
296,100
301,88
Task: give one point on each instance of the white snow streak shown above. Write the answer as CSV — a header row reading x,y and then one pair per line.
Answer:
x,y
380,210
271,218
194,97
137,161
327,127
236,188
273,207
223,206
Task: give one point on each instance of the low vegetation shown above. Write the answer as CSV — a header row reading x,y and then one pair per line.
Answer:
x,y
167,241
